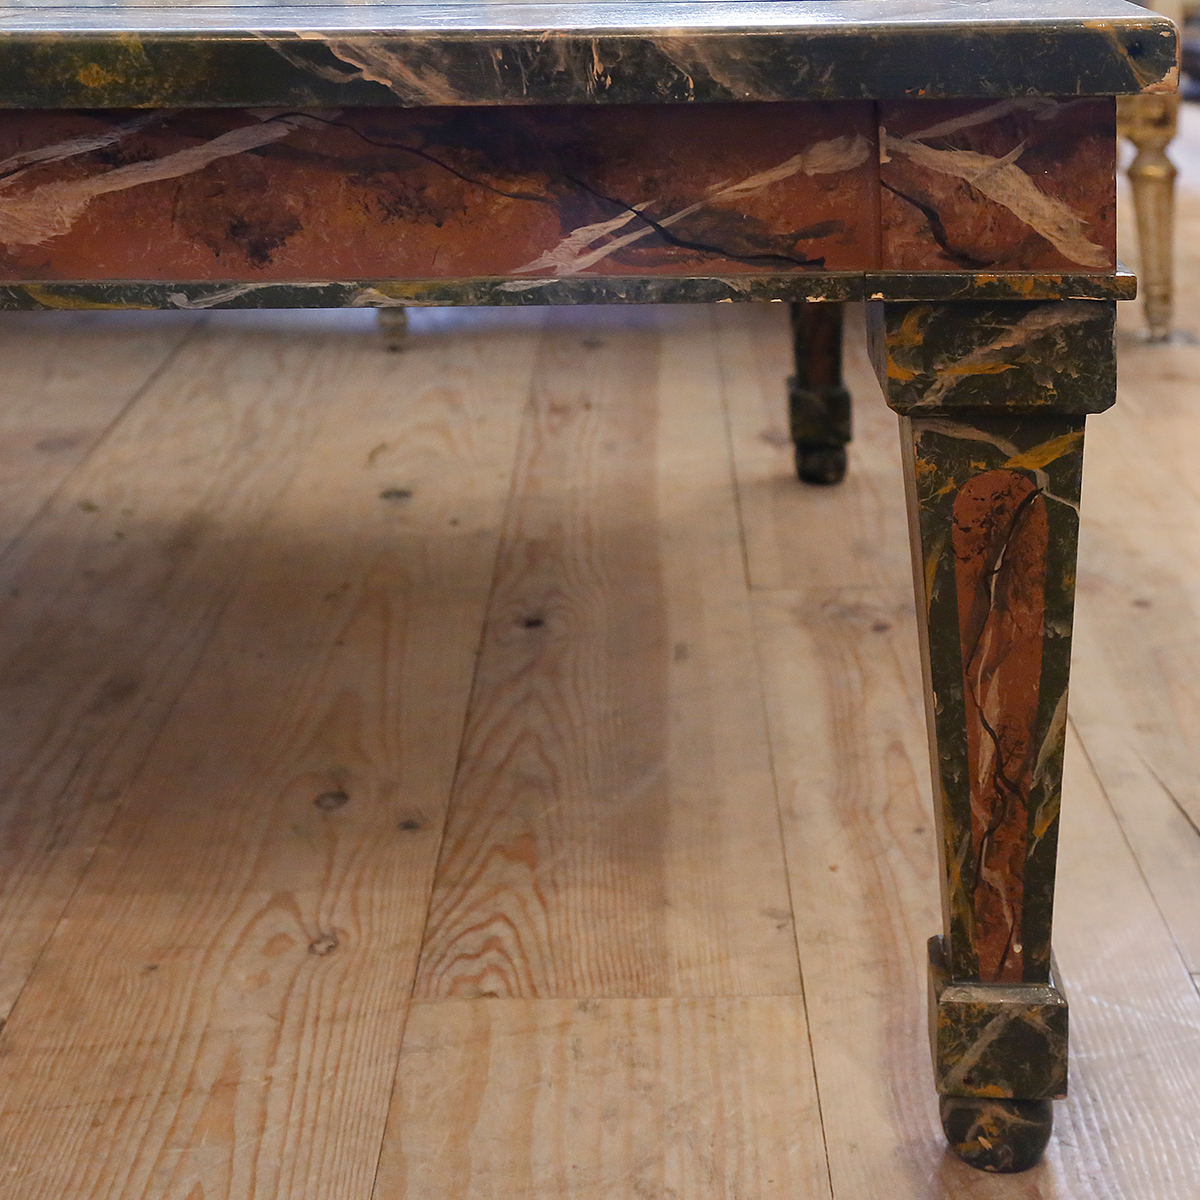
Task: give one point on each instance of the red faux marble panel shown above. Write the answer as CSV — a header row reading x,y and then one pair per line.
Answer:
x,y
1001,535
227,194
1009,185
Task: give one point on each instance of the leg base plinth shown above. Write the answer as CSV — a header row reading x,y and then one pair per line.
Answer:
x,y
820,427
1002,1136
996,1041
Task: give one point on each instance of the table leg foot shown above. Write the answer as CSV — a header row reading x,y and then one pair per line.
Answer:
x,y
820,464
818,402
1002,1136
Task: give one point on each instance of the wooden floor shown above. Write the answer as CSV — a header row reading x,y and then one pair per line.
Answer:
x,y
483,772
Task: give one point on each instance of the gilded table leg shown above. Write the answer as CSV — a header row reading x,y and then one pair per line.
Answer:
x,y
1149,122
818,402
993,399
393,324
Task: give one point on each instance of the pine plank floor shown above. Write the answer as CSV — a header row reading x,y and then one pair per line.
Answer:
x,y
483,772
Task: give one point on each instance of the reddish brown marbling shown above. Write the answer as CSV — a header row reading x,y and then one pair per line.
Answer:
x,y
439,193
1000,539
1043,196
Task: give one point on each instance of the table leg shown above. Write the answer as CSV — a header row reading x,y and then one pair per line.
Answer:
x,y
818,402
1149,122
393,324
993,399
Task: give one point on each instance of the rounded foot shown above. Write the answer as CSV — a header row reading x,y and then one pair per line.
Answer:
x,y
1004,1136
820,464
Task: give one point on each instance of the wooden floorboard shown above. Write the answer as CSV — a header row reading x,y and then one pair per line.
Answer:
x,y
219,1012
613,828
110,595
606,1100
68,378
802,537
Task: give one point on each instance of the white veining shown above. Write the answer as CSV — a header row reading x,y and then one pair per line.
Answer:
x,y
396,69
12,168
32,217
577,251
1000,179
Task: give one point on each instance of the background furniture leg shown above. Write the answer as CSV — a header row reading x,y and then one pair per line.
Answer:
x,y
993,399
818,402
393,324
1149,122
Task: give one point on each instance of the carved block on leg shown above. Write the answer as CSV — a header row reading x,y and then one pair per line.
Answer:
x,y
996,1040
818,402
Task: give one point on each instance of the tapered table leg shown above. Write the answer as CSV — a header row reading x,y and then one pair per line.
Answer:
x,y
818,402
993,399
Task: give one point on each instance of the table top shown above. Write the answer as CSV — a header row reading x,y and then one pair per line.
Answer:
x,y
110,54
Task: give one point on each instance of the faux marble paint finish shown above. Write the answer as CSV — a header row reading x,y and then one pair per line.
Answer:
x,y
1010,185
994,397
996,515
430,194
819,286
1057,355
392,293
999,541
108,54
997,1040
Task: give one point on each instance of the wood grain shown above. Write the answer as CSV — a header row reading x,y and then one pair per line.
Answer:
x,y
108,599
220,1010
1136,700
67,378
799,537
605,1099
613,831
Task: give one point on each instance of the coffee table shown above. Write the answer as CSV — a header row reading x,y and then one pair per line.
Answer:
x,y
951,162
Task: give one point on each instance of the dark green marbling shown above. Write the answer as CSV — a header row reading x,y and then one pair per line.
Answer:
x,y
919,352
942,453
1053,356
996,1040
813,286
660,289
982,286
112,55
818,402
1001,1136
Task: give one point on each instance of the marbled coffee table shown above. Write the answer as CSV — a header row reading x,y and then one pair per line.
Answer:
x,y
951,161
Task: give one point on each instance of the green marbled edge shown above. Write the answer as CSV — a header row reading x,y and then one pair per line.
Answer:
x,y
1012,285
75,65
661,289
